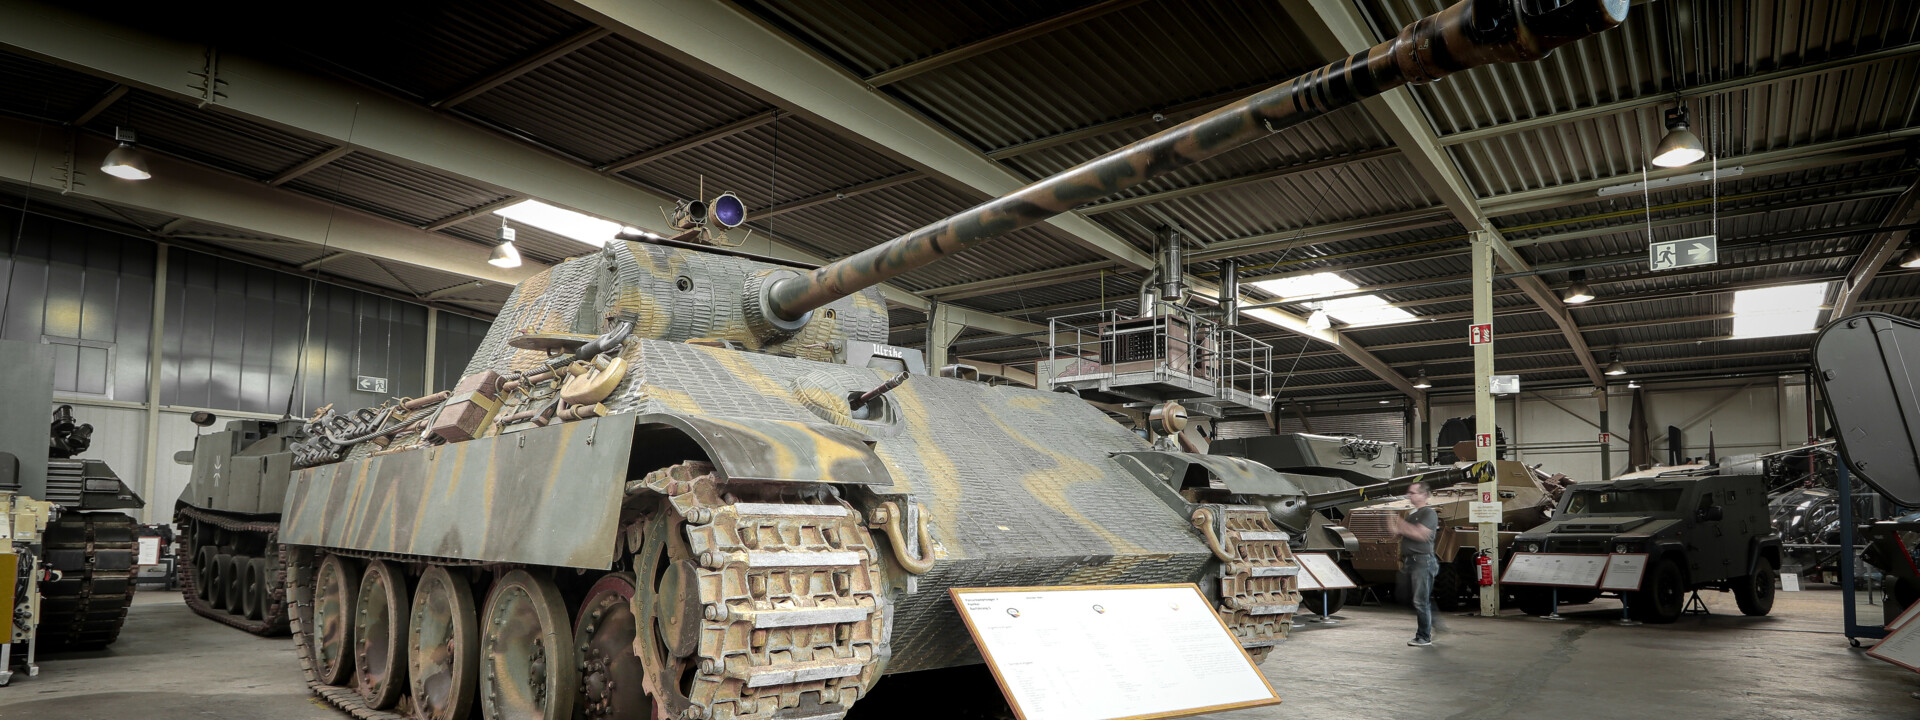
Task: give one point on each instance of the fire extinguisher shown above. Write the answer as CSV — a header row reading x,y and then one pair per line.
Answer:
x,y
1485,564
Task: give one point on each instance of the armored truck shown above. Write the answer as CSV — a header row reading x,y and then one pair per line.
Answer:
x,y
1699,532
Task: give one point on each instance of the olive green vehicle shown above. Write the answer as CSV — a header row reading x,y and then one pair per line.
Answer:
x,y
228,519
677,481
1526,499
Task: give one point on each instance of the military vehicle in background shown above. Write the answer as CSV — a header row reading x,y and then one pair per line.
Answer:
x,y
88,544
1699,531
228,520
681,481
1527,497
1325,464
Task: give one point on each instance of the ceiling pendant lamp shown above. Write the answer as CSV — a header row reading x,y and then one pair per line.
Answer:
x,y
1578,292
1616,367
1420,380
505,255
126,161
1680,147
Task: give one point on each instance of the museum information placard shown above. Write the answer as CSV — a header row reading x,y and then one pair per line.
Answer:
x,y
1555,569
1326,573
1110,652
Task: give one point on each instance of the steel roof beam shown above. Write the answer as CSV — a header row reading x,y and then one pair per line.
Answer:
x,y
309,165
1131,121
999,40
1338,30
1247,179
1559,117
182,189
1878,252
1585,191
564,47
728,44
832,195
107,99
692,141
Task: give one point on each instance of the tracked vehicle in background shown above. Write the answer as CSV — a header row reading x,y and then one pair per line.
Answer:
x,y
678,481
89,544
228,519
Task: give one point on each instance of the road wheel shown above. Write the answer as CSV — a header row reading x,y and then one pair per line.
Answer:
x,y
1754,593
380,635
443,649
203,573
1535,601
233,582
335,587
1663,594
1449,586
1323,602
612,676
253,598
527,668
217,581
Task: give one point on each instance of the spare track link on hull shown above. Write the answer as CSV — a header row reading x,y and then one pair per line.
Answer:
x,y
1258,593
86,607
274,623
779,607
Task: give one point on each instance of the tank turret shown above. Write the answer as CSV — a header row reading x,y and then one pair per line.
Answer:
x,y
701,480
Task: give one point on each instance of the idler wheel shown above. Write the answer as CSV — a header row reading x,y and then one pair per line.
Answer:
x,y
611,675
379,633
233,576
203,573
217,581
527,666
667,604
335,587
443,646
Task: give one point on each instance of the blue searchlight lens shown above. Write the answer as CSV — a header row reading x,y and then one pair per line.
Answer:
x,y
728,210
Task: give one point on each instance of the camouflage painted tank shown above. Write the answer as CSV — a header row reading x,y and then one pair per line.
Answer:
x,y
681,482
1527,497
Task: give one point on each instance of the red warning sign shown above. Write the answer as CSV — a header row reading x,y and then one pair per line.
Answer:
x,y
1483,440
1479,334
1606,437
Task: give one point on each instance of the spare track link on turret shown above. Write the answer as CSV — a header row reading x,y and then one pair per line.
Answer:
x,y
1258,592
94,553
791,601
274,616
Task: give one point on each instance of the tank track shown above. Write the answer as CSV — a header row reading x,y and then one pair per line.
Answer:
x,y
85,609
275,622
1258,589
793,601
790,604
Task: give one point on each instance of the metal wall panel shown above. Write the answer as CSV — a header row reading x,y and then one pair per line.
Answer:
x,y
88,293
459,337
234,335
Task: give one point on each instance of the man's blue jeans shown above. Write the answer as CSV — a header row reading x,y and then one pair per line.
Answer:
x,y
1421,570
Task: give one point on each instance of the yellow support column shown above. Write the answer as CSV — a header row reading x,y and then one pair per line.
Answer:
x,y
1486,436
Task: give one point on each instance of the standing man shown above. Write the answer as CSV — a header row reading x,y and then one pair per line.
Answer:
x,y
1416,532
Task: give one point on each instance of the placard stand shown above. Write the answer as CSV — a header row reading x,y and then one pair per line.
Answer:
x,y
1337,580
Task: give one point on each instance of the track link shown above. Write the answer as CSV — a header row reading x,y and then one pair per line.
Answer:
x,y
274,624
86,607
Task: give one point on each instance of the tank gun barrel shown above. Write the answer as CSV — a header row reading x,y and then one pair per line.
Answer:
x,y
1467,35
1443,477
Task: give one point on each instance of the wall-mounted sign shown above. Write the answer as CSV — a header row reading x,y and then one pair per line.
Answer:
x,y
1479,334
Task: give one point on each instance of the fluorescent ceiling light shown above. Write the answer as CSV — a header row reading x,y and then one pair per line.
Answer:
x,y
1776,311
585,228
1315,284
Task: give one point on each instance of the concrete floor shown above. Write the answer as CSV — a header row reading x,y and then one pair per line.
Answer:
x,y
1793,664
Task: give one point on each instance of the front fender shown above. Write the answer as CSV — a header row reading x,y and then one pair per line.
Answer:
x,y
770,450
1169,472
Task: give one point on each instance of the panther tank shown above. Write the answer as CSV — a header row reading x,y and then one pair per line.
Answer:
x,y
679,481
